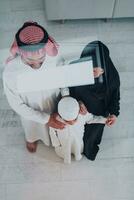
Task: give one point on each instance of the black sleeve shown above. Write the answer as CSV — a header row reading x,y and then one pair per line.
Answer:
x,y
114,106
73,93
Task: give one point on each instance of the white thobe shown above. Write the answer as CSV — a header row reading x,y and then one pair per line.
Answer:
x,y
34,108
74,134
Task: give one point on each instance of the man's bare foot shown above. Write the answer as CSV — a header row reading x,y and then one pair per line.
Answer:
x,y
31,147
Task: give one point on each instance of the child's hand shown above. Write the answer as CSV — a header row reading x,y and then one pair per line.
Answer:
x,y
111,119
83,109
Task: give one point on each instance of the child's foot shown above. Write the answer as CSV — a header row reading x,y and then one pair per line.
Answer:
x,y
78,157
31,146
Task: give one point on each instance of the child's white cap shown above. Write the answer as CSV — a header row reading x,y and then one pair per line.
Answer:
x,y
68,108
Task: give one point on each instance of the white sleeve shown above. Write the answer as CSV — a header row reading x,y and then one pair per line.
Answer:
x,y
88,117
17,104
93,119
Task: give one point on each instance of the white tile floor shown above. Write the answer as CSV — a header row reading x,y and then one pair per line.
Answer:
x,y
43,175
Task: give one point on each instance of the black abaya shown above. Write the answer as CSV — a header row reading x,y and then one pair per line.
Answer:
x,y
100,99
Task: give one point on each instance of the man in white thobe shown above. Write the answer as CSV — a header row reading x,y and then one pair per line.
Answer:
x,y
36,109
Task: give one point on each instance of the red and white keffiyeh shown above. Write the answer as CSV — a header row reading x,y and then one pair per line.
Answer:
x,y
36,42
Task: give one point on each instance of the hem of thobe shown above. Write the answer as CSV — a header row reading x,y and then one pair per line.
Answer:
x,y
39,139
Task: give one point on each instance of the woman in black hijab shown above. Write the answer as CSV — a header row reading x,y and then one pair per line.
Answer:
x,y
102,98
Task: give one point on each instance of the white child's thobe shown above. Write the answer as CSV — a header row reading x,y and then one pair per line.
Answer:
x,y
34,108
70,139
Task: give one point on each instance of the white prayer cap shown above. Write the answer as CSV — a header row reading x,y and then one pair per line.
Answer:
x,y
68,108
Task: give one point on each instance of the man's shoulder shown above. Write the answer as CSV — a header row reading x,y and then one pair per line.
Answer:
x,y
11,71
13,65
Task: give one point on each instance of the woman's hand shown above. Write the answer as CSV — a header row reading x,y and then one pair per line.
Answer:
x,y
111,119
55,122
97,71
83,109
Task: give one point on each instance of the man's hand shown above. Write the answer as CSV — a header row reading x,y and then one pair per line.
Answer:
x,y
97,71
111,119
54,123
83,109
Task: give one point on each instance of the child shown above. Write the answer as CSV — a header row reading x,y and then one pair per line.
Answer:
x,y
70,139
